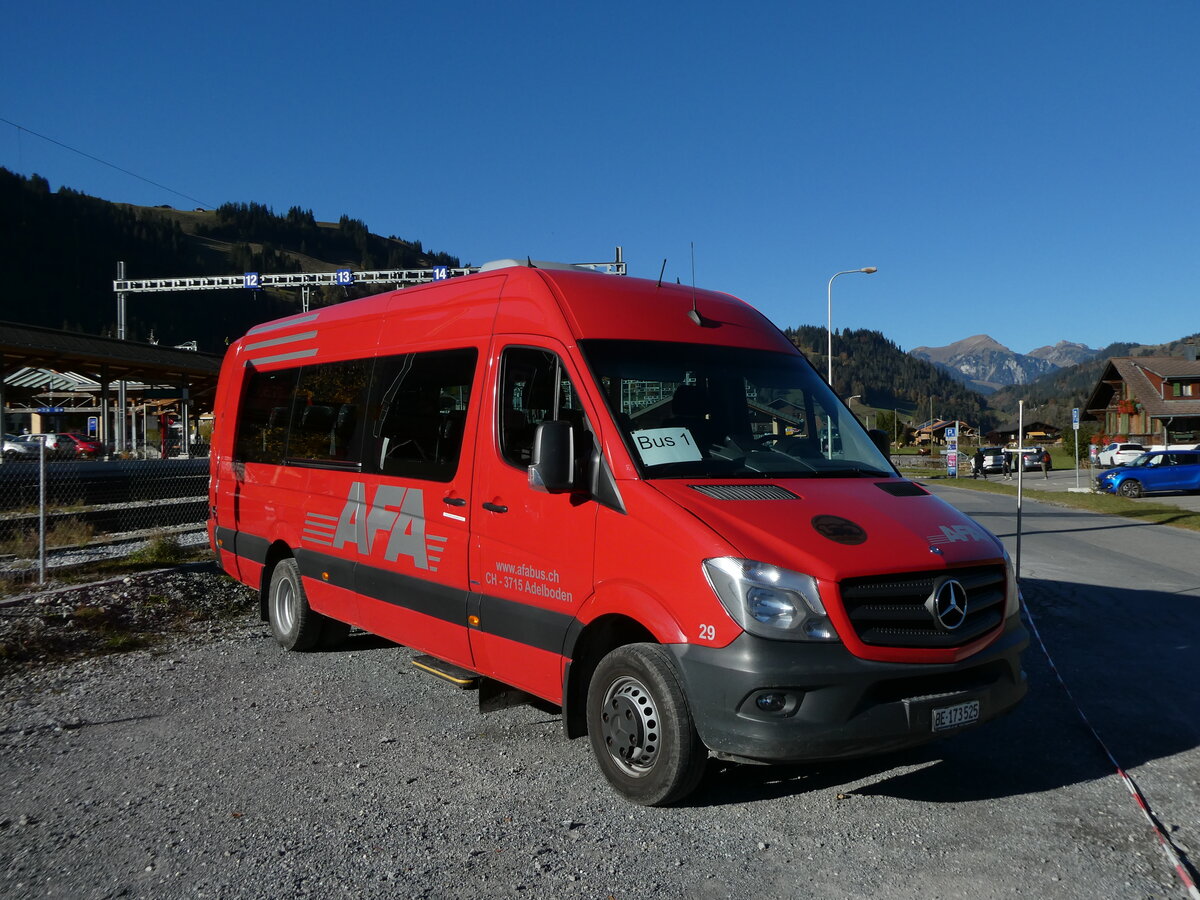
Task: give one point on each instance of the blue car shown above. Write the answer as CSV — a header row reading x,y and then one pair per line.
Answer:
x,y
1158,470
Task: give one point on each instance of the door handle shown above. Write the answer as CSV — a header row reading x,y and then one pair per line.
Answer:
x,y
494,507
455,501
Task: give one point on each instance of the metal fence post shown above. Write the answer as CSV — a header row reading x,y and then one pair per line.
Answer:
x,y
42,510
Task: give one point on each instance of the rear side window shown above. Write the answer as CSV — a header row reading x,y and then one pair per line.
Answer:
x,y
421,401
398,415
264,415
328,412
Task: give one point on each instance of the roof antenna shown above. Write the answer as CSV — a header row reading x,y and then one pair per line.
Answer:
x,y
661,271
694,313
529,262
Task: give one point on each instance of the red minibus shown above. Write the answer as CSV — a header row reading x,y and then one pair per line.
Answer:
x,y
636,501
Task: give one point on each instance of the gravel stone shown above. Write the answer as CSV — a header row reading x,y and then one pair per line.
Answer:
x,y
209,763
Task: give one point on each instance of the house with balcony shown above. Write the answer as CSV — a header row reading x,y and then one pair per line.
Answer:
x,y
1149,399
1034,434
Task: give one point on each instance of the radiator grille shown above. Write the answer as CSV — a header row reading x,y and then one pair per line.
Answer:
x,y
894,610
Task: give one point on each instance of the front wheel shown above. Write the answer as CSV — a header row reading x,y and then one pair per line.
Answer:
x,y
1131,488
640,726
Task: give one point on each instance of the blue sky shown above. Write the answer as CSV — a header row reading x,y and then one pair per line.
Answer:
x,y
1027,170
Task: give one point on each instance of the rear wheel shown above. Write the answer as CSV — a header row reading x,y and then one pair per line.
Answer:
x,y
640,726
295,625
1131,488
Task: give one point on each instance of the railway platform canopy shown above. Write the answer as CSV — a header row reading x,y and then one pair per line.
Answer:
x,y
49,377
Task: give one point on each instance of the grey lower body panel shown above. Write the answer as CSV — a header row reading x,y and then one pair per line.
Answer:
x,y
829,704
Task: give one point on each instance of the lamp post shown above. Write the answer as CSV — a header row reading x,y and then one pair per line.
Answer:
x,y
869,270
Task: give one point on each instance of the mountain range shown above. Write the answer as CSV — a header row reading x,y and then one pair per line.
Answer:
x,y
986,365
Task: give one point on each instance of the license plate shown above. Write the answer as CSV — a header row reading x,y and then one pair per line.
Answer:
x,y
956,716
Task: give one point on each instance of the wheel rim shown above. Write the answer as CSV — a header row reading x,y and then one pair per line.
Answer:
x,y
283,605
629,723
1131,489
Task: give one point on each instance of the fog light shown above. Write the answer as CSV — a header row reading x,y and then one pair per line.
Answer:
x,y
771,702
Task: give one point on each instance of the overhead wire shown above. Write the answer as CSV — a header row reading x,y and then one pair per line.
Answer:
x,y
21,128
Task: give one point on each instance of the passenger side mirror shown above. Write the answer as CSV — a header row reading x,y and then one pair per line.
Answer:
x,y
881,441
553,466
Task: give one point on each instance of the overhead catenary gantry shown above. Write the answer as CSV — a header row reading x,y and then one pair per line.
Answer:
x,y
338,278
304,280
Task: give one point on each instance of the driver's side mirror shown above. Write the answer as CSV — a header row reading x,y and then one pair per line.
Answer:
x,y
553,466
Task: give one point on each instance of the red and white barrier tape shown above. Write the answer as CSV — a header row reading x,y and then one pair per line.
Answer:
x,y
1176,862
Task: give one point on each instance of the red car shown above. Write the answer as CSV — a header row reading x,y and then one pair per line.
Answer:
x,y
79,446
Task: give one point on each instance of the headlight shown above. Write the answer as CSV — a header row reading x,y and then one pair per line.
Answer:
x,y
769,601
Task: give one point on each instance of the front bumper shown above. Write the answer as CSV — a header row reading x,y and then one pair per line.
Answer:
x,y
837,705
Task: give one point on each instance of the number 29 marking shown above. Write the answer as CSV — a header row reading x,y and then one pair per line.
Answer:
x,y
708,632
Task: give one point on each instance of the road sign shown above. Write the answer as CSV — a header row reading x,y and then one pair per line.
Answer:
x,y
1075,418
951,433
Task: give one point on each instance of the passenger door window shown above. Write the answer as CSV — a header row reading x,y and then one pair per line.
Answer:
x,y
534,388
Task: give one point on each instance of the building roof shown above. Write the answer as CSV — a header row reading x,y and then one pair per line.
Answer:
x,y
1132,371
89,358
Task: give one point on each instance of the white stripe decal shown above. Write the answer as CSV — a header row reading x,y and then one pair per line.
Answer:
x,y
299,354
288,339
274,326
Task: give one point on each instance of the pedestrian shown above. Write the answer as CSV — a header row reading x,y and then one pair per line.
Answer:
x,y
1006,471
977,468
1046,463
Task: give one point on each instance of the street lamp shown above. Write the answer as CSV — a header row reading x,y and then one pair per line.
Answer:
x,y
869,270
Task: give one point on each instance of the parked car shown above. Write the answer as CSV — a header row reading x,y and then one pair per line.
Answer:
x,y
62,445
15,448
1031,458
993,459
78,445
33,440
1168,470
1120,453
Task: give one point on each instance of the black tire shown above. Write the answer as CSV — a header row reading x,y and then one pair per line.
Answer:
x,y
640,726
1131,488
293,622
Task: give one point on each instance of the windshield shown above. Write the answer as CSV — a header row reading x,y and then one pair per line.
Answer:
x,y
702,411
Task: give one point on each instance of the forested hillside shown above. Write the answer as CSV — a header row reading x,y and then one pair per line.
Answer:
x,y
867,363
60,250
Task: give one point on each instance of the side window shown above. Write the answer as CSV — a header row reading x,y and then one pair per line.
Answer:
x,y
327,412
263,415
420,402
534,388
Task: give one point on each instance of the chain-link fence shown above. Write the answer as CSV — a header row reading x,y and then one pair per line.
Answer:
x,y
55,512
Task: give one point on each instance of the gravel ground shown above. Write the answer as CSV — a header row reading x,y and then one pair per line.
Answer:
x,y
211,764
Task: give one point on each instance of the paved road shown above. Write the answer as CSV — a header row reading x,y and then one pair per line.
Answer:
x,y
1117,602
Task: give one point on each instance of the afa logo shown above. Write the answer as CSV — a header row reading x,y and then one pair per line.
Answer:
x,y
394,519
953,534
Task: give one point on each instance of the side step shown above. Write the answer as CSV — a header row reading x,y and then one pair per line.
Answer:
x,y
464,678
